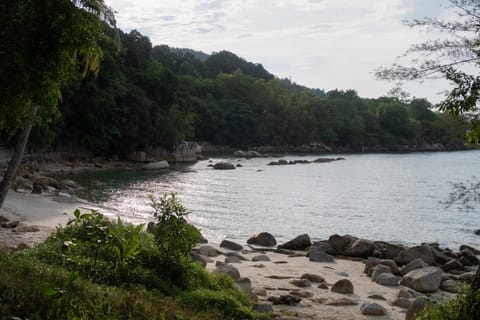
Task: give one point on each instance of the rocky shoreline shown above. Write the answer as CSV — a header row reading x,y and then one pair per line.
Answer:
x,y
343,276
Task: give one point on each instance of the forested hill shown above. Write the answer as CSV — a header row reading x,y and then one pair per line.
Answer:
x,y
158,96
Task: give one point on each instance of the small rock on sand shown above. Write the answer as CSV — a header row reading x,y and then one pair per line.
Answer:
x,y
343,286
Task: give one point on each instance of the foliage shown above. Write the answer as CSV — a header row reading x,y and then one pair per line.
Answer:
x,y
454,56
465,306
174,235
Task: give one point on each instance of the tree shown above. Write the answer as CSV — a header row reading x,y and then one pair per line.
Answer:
x,y
455,57
41,45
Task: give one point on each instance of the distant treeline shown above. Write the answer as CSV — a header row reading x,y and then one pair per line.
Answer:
x,y
158,96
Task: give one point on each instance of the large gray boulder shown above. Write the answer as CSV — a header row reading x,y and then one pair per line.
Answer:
x,y
343,286
224,166
228,270
227,244
340,243
423,252
424,280
388,279
416,306
380,269
300,242
386,250
263,239
372,309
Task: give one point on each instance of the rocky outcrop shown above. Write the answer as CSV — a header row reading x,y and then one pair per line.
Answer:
x,y
158,165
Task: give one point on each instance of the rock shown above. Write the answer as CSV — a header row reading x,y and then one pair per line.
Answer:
x,y
262,292
67,184
219,263
263,239
453,264
342,274
208,251
37,189
284,251
231,245
313,278
343,286
316,255
372,309
339,243
302,294
285,299
467,277
386,250
158,165
360,248
387,279
262,257
469,255
24,228
472,249
417,305
424,280
413,265
233,259
302,283
202,239
376,296
324,160
440,257
245,284
229,270
323,286
300,242
372,262
323,246
224,166
477,232
404,293
449,286
238,165
263,308
423,252
198,258
341,302
236,255
402,303
45,181
380,269
22,185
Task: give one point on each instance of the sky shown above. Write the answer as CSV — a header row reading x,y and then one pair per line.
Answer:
x,y
327,44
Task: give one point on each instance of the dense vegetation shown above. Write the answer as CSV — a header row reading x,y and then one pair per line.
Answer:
x,y
97,269
158,96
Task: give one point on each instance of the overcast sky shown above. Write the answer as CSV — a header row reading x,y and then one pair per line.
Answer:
x,y
324,44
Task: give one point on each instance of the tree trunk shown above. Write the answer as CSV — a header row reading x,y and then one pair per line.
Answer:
x,y
17,155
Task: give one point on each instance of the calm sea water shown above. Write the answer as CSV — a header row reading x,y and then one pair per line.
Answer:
x,y
392,197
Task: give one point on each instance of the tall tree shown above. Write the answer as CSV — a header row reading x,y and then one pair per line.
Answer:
x,y
41,45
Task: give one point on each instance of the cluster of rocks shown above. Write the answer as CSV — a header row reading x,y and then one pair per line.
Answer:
x,y
248,154
36,183
419,272
283,162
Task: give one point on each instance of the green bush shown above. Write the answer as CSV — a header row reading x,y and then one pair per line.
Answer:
x,y
465,306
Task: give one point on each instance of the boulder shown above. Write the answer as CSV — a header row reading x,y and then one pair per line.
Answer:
x,y
231,245
316,255
158,165
228,270
360,248
449,286
343,286
380,269
233,259
324,246
22,185
423,252
470,256
245,284
403,303
424,280
453,264
413,265
372,309
287,299
339,243
37,189
302,283
262,257
262,292
263,239
388,279
313,277
472,249
224,166
477,232
300,242
372,262
386,250
198,258
208,251
45,181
